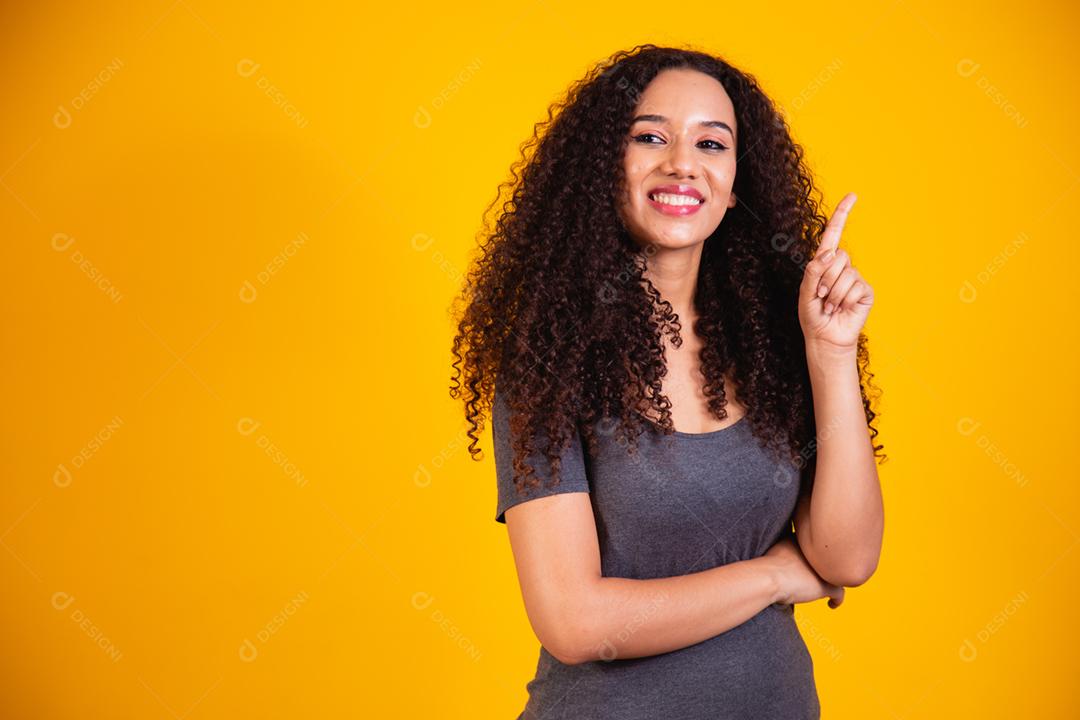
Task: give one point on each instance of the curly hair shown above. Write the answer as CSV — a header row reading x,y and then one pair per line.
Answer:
x,y
557,307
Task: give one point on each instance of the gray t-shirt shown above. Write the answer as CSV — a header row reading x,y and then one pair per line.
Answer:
x,y
685,503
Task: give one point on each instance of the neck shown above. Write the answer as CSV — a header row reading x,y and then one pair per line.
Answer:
x,y
674,273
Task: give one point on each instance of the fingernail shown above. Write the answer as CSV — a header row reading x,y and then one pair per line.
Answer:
x,y
822,290
828,256
828,308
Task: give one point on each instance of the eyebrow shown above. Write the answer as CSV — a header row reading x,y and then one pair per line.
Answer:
x,y
704,123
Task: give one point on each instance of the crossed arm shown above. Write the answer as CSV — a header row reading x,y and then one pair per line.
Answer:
x,y
839,526
581,616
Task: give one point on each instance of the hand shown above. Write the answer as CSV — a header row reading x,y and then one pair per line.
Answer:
x,y
797,580
834,320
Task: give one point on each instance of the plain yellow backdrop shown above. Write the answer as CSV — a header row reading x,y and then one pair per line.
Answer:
x,y
234,483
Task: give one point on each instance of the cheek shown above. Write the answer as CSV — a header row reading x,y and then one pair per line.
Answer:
x,y
722,179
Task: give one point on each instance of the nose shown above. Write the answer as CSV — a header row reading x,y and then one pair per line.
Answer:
x,y
680,160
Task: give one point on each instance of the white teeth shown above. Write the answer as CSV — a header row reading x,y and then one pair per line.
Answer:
x,y
668,199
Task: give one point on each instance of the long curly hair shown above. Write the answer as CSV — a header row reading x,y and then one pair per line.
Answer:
x,y
557,308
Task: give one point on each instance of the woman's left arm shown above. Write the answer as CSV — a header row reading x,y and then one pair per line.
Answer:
x,y
840,524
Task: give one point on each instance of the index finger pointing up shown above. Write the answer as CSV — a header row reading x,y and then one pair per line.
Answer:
x,y
830,239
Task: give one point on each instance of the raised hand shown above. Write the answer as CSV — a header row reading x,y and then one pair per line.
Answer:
x,y
834,299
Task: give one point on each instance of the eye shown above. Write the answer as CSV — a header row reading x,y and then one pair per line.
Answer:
x,y
642,139
718,145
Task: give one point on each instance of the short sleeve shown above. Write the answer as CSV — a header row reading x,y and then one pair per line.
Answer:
x,y
572,475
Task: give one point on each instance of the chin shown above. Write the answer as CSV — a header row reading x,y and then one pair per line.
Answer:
x,y
669,243
668,240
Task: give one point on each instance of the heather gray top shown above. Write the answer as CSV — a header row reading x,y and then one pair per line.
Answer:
x,y
686,503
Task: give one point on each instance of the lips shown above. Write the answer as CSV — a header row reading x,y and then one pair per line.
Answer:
x,y
677,190
676,210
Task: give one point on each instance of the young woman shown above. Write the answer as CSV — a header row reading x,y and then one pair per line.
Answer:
x,y
676,340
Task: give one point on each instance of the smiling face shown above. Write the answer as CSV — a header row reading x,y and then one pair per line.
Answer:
x,y
680,160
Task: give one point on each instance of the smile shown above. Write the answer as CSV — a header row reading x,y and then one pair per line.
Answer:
x,y
675,203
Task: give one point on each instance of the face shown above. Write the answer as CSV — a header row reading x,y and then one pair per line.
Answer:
x,y
680,160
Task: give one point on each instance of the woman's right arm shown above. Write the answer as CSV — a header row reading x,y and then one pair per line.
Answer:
x,y
580,616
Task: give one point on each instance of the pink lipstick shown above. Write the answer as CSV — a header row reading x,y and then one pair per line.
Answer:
x,y
676,200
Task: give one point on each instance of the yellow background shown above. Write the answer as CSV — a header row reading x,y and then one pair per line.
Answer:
x,y
234,483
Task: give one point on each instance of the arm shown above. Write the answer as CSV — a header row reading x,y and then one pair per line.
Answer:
x,y
580,616
839,526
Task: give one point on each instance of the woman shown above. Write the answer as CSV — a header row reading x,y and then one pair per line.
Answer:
x,y
677,343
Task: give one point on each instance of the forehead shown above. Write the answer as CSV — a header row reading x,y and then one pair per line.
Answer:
x,y
684,95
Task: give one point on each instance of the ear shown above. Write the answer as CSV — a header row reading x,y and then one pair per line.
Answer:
x,y
731,201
